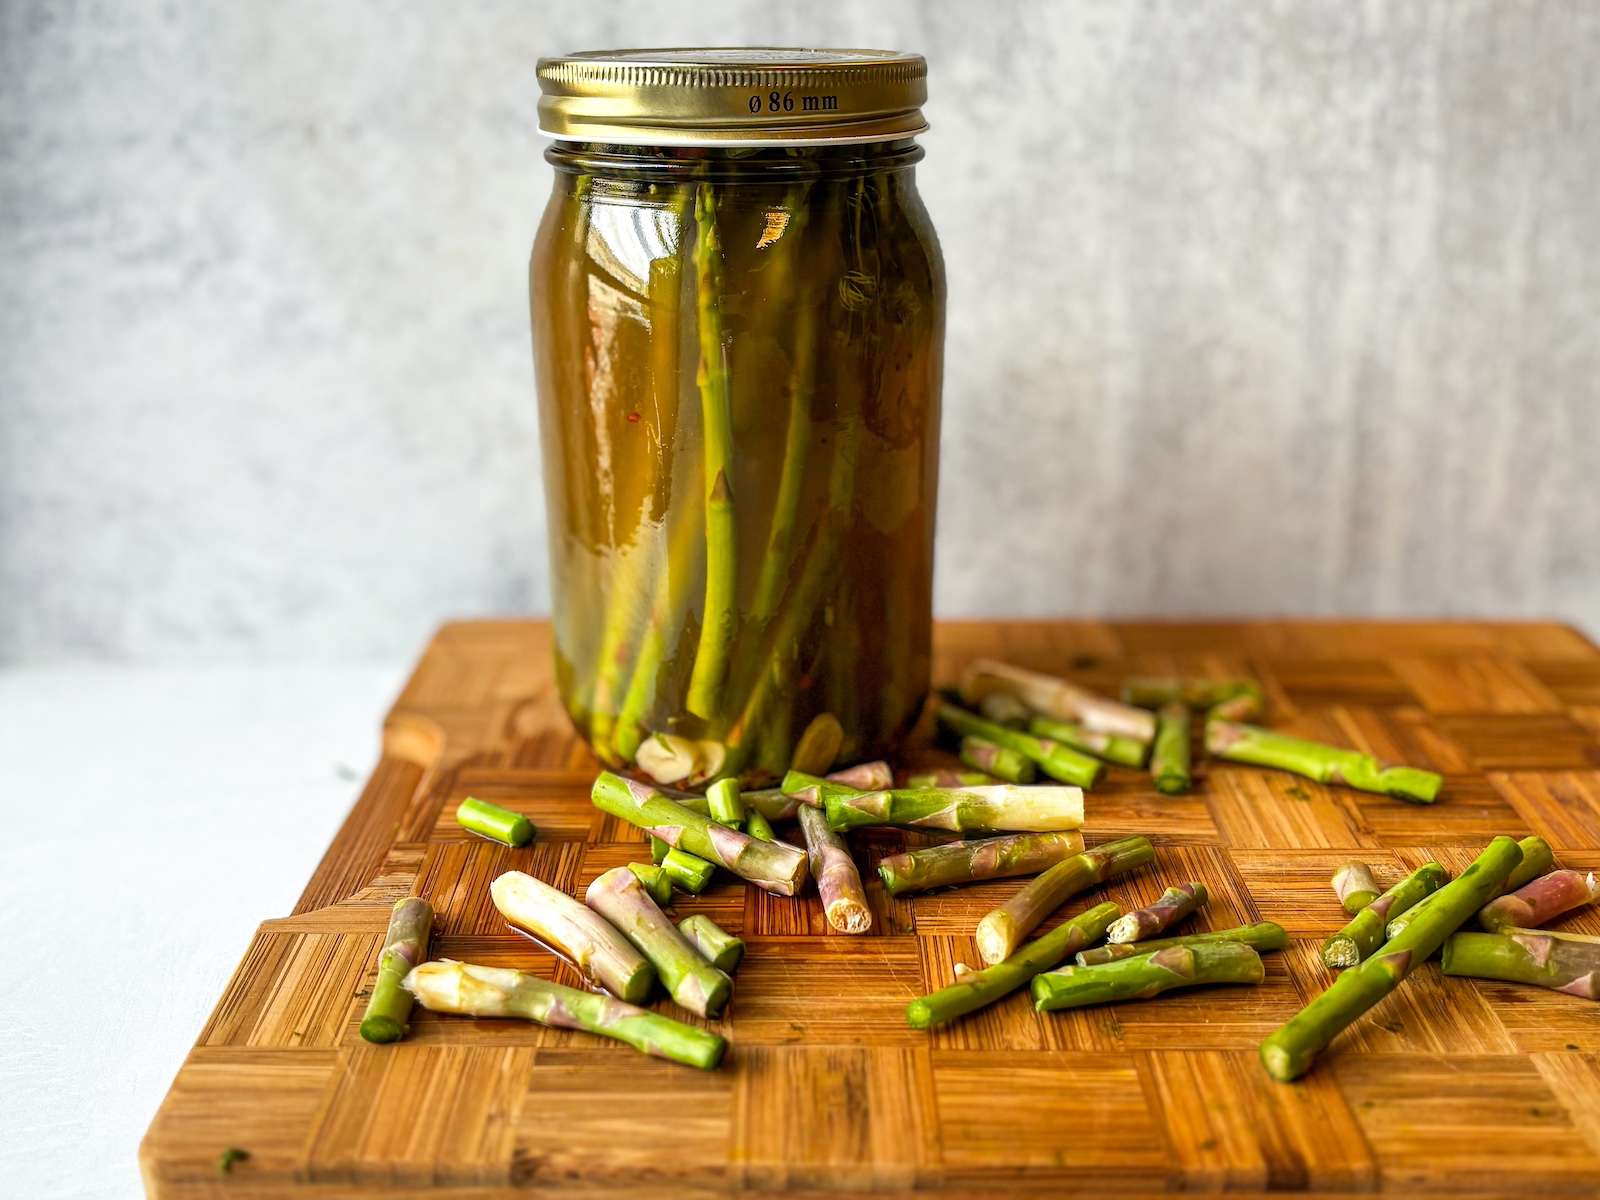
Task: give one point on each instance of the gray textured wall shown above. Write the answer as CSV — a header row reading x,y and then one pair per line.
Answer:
x,y
1255,307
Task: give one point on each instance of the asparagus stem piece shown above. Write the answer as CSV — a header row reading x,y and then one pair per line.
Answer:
x,y
1265,936
960,810
1526,956
1054,759
727,808
818,745
949,779
575,932
969,861
722,564
1288,1053
1355,885
1539,901
1325,764
687,872
720,948
758,827
1002,930
493,822
693,982
1004,708
1147,975
658,850
844,900
866,777
1108,746
474,991
771,865
975,989
1000,761
1239,708
811,790
404,946
1201,694
1056,698
1365,931
1169,757
656,882
1536,860
1176,903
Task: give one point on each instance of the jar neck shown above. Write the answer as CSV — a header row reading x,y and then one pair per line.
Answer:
x,y
746,164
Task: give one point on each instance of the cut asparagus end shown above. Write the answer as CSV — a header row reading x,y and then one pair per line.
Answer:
x,y
492,821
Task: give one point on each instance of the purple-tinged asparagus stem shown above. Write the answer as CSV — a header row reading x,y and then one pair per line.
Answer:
x,y
1265,936
1326,764
1355,885
1176,903
1147,975
1001,808
775,866
1002,931
1199,694
1364,932
1056,698
1169,756
575,932
818,745
844,900
1544,899
474,991
969,861
974,989
950,779
865,777
404,946
1526,956
693,982
719,947
1000,761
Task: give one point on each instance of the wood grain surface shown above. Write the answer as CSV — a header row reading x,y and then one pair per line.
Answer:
x,y
1449,1085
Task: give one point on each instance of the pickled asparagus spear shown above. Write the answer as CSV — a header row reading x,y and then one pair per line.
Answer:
x,y
575,932
1540,900
1325,764
693,982
818,745
774,866
1147,975
1091,741
1265,936
404,946
474,991
969,861
720,948
1002,931
1176,903
1365,931
1169,757
1199,694
975,989
844,900
1355,886
1288,1053
1055,760
1056,698
1000,761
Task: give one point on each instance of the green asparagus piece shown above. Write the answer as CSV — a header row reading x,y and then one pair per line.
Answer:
x,y
1176,903
771,865
1002,930
1147,975
1052,697
1540,900
656,882
1325,764
1169,758
959,810
1199,694
687,872
1109,746
844,900
758,827
1537,859
949,779
966,862
576,933
1265,936
1365,931
1055,760
1526,956
693,982
404,946
1000,761
720,948
975,989
494,822
658,850
1355,886
474,991
726,806
1288,1053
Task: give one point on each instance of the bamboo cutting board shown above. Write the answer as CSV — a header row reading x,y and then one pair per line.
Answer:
x,y
1449,1085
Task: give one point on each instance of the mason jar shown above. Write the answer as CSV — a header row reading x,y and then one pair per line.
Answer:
x,y
738,323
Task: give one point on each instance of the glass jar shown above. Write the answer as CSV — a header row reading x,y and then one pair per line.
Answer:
x,y
738,320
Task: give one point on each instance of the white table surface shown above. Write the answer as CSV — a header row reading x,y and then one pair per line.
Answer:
x,y
152,818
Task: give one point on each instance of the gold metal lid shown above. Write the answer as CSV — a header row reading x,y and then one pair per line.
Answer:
x,y
737,96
